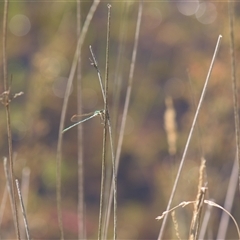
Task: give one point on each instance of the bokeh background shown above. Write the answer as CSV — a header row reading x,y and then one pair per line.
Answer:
x,y
176,44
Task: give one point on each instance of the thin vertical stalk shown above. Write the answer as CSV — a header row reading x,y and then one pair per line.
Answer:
x,y
107,123
125,111
9,188
23,210
7,107
118,72
114,178
232,186
235,170
64,110
234,82
3,204
81,232
205,221
4,49
24,192
189,138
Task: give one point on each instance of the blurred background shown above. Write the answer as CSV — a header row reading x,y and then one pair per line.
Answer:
x,y
176,43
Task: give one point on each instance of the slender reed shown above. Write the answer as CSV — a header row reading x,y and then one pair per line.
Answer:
x,y
125,111
209,202
118,72
114,178
189,138
232,187
9,188
6,103
81,224
3,205
23,210
24,190
117,86
205,222
234,81
107,122
64,110
236,169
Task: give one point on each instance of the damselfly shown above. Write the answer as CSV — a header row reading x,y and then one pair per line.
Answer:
x,y
75,118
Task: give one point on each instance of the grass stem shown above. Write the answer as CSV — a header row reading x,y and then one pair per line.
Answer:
x,y
7,107
189,138
125,111
64,110
81,218
23,210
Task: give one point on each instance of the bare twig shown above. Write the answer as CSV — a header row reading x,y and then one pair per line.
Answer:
x,y
64,109
189,138
23,210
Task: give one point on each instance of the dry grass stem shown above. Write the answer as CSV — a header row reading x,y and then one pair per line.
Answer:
x,y
182,204
6,102
194,229
24,191
95,65
189,137
119,63
3,204
23,210
9,188
64,110
81,217
230,215
234,82
107,123
125,111
231,191
205,222
198,206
